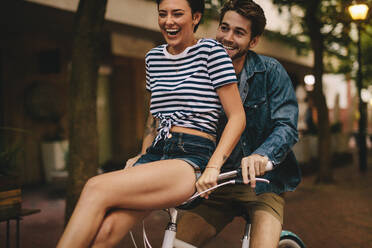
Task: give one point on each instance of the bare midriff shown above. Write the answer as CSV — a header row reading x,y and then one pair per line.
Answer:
x,y
177,129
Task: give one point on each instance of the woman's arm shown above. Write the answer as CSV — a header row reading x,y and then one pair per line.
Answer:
x,y
148,137
233,107
149,133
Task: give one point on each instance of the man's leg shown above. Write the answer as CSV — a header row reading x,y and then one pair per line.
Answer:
x,y
266,230
266,211
193,229
199,225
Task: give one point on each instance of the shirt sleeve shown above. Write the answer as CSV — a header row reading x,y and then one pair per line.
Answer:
x,y
148,86
220,68
283,109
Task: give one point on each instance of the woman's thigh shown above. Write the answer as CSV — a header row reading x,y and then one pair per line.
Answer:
x,y
155,185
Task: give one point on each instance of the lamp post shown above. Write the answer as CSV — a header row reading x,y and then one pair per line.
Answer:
x,y
359,13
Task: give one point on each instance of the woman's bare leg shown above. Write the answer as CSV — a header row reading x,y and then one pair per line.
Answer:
x,y
156,185
114,226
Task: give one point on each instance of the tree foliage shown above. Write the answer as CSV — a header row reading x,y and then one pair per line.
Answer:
x,y
332,20
367,50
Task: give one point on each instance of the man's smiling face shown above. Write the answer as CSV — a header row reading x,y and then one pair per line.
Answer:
x,y
234,33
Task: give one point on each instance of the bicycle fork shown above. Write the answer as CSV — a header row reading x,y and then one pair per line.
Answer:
x,y
170,240
246,236
171,230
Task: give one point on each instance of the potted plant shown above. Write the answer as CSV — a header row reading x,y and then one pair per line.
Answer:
x,y
54,154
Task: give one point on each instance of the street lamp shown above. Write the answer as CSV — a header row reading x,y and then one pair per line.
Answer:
x,y
358,12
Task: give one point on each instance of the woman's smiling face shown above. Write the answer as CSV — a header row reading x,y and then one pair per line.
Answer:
x,y
177,23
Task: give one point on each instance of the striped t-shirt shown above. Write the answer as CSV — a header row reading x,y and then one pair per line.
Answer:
x,y
183,86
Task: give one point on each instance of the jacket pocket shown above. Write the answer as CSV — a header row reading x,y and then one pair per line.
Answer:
x,y
254,104
255,109
256,115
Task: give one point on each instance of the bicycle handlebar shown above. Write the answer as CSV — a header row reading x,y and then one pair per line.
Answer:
x,y
234,173
228,175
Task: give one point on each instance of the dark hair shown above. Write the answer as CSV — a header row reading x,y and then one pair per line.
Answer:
x,y
196,6
249,10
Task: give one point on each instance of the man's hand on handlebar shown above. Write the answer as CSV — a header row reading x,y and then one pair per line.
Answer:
x,y
252,166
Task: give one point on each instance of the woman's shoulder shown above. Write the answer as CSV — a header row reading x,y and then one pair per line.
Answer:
x,y
206,46
156,51
209,42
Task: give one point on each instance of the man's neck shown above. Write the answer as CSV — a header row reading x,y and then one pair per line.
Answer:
x,y
238,64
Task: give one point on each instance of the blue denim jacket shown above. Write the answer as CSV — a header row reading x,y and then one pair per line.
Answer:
x,y
271,109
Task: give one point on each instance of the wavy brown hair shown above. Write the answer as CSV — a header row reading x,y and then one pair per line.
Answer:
x,y
249,10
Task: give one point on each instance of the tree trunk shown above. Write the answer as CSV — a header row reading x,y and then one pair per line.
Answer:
x,y
324,136
83,138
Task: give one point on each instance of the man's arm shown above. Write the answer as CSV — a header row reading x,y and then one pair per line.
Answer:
x,y
283,108
284,114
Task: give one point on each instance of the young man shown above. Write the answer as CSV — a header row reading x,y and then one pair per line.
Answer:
x,y
271,111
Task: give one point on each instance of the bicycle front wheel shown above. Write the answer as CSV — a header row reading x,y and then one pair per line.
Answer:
x,y
290,240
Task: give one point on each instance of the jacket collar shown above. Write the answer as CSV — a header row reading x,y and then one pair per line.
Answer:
x,y
253,64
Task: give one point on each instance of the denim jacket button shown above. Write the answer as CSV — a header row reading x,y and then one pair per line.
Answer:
x,y
244,143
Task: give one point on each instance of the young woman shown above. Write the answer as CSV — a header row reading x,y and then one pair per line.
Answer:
x,y
189,81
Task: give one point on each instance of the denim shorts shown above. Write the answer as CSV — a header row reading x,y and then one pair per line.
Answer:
x,y
193,149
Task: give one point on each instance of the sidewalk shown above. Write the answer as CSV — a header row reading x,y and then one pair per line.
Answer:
x,y
332,216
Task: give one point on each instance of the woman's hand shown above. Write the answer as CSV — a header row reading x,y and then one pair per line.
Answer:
x,y
207,180
132,161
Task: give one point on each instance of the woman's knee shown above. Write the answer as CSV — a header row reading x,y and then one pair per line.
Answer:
x,y
105,233
93,190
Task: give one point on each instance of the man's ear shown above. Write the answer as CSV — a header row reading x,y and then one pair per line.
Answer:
x,y
254,42
196,17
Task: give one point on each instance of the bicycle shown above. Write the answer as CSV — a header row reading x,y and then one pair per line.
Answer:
x,y
288,239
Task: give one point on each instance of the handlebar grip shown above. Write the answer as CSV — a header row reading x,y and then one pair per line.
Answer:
x,y
231,174
258,179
